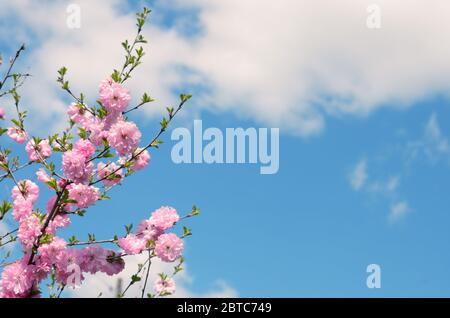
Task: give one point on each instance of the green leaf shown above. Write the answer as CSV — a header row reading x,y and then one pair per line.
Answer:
x,y
104,197
135,278
195,211
115,76
146,99
91,237
16,122
164,123
82,133
62,71
4,208
185,97
156,143
46,239
128,228
186,231
53,184
73,240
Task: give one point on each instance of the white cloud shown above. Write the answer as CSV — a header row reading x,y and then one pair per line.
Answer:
x,y
107,285
387,187
398,211
358,175
283,63
433,144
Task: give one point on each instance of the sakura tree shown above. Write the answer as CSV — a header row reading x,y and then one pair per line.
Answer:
x,y
97,151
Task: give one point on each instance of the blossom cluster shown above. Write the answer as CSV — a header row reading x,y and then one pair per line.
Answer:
x,y
168,246
45,253
107,150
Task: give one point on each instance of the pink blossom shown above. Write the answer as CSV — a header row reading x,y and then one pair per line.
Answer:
x,y
66,263
147,231
50,252
164,218
98,132
104,171
168,247
62,183
124,137
42,267
17,134
40,151
84,195
2,113
93,259
164,286
75,166
114,96
21,209
132,244
29,230
27,190
17,280
105,84
43,176
84,147
110,119
59,221
114,265
141,161
79,115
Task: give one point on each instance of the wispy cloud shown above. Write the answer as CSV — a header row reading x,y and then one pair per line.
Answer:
x,y
433,144
358,175
398,210
383,189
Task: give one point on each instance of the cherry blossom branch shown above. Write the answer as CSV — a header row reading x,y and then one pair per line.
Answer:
x,y
130,59
152,143
11,64
9,233
47,222
13,239
65,86
20,78
142,103
135,278
4,176
21,124
92,242
11,174
75,191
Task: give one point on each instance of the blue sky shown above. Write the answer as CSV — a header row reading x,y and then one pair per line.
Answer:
x,y
305,231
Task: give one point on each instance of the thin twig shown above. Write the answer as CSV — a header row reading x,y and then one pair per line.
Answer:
x,y
147,274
